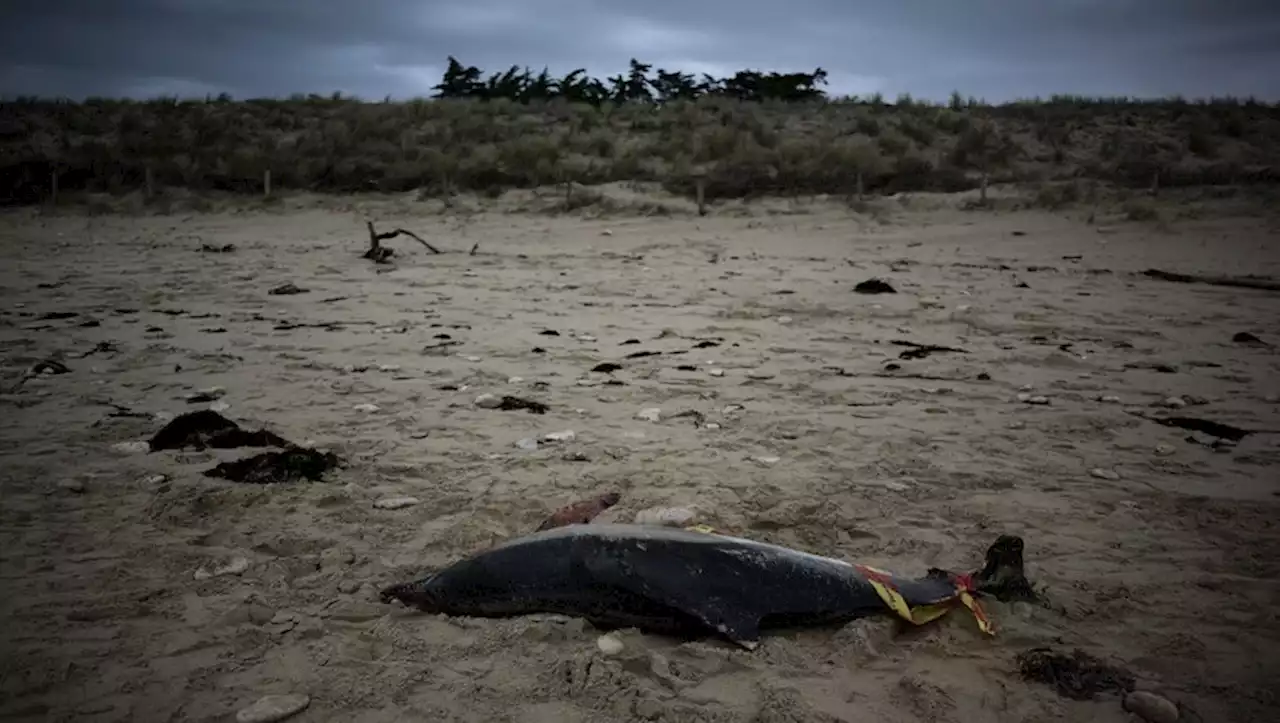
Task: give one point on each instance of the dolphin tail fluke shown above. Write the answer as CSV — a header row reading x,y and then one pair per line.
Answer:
x,y
1003,575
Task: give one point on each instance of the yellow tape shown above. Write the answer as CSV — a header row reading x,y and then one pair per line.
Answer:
x,y
926,613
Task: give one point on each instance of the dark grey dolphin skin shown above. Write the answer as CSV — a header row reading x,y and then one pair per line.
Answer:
x,y
680,582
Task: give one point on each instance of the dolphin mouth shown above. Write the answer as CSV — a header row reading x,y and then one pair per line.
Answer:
x,y
410,594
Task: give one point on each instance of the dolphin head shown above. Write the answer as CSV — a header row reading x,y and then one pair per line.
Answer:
x,y
412,594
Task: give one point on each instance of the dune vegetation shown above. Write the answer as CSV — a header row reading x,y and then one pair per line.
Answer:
x,y
756,133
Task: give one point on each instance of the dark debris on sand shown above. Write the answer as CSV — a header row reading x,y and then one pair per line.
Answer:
x,y
288,465
875,286
1078,675
206,429
515,404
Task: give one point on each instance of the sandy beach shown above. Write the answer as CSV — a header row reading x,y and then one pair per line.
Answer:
x,y
138,589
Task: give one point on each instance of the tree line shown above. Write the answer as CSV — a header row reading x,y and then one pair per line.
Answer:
x,y
640,84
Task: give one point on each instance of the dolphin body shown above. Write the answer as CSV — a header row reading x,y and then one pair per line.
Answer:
x,y
682,582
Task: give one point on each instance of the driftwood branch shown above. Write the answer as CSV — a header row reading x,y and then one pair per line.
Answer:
x,y
379,253
1242,282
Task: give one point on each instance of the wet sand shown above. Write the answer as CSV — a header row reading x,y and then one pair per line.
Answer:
x,y
1158,552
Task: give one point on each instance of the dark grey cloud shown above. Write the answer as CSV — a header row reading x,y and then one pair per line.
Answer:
x,y
996,49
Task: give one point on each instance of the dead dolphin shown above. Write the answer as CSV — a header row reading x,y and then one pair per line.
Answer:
x,y
686,583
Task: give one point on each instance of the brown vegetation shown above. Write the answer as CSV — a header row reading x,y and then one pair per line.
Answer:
x,y
743,148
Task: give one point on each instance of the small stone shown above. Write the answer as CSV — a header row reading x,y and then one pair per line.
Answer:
x,y
156,479
528,443
1032,399
219,406
1025,388
767,459
1151,707
732,408
585,337
396,503
366,408
472,358
132,447
606,232
1164,450
272,708
1016,425
514,380
784,320
757,374
347,587
610,645
567,435
666,516
711,425
236,566
72,485
716,372
651,414
388,367
1106,474
488,401
1172,403
207,395
588,382
897,486
1109,399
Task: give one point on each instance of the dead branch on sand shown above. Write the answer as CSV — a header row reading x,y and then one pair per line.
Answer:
x,y
1243,282
379,253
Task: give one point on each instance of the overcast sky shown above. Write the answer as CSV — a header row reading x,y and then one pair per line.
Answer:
x,y
995,49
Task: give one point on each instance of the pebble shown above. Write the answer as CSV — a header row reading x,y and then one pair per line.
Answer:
x,y
1151,707
716,372
366,408
488,401
588,383
651,414
388,367
567,435
72,485
1106,474
585,337
1172,403
666,516
610,645
527,443
1164,450
897,486
207,395
757,374
346,587
1109,399
472,358
711,425
396,503
132,447
156,479
514,380
237,566
219,406
784,320
1032,399
271,708
730,409
767,459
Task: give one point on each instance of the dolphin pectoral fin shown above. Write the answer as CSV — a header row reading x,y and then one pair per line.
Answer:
x,y
677,587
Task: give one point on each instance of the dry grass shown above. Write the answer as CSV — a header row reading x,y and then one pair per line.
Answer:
x,y
441,148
